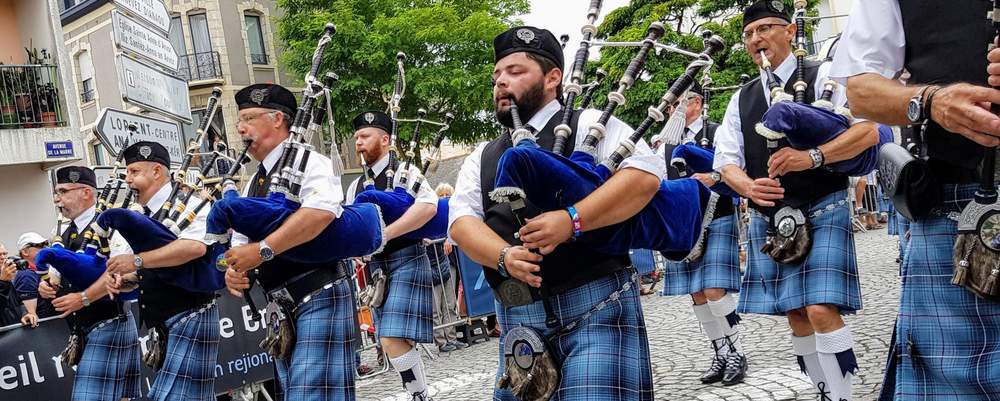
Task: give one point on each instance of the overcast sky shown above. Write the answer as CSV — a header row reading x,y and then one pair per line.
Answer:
x,y
566,17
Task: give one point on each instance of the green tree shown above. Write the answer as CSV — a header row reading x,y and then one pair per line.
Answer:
x,y
685,21
449,55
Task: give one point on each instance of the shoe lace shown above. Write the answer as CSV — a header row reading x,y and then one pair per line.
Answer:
x,y
734,362
718,363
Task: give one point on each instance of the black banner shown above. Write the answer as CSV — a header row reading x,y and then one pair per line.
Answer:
x,y
30,368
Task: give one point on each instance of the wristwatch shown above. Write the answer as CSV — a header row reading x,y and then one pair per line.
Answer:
x,y
716,176
501,264
817,157
915,108
84,299
137,262
266,253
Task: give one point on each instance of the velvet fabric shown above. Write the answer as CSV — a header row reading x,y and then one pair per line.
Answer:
x,y
669,223
81,269
699,160
357,232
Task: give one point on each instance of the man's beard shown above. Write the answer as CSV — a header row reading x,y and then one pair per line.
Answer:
x,y
527,105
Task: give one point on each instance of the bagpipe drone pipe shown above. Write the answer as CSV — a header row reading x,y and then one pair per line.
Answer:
x,y
549,181
356,232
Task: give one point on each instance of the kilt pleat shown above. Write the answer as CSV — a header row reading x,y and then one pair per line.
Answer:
x,y
829,275
719,266
109,368
188,371
606,356
408,308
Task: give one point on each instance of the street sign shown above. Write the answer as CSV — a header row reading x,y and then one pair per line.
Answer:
x,y
153,89
112,130
58,149
133,37
150,11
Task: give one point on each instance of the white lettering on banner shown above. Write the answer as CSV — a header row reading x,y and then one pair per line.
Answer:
x,y
10,372
57,361
226,327
249,323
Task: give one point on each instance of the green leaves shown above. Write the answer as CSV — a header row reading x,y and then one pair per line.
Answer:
x,y
449,52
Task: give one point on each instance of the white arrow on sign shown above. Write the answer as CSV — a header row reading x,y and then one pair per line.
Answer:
x,y
151,11
112,130
132,36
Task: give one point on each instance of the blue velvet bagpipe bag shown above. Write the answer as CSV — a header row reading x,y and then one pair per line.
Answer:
x,y
699,160
80,269
807,126
669,223
356,233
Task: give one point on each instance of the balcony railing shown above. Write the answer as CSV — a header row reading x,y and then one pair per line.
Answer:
x,y
29,97
88,96
258,58
200,66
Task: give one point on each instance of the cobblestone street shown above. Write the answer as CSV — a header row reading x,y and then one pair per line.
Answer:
x,y
680,351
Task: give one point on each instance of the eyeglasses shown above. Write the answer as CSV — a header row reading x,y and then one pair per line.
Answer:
x,y
247,118
64,191
761,30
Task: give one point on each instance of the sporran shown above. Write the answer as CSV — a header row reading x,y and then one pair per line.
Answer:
x,y
157,350
280,338
791,241
531,372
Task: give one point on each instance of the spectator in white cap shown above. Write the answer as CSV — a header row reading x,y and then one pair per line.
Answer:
x,y
26,280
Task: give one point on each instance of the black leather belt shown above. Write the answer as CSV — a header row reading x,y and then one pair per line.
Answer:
x,y
96,313
297,290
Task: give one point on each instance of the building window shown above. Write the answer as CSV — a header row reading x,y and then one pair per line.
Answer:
x,y
199,33
177,35
87,90
255,38
216,133
97,150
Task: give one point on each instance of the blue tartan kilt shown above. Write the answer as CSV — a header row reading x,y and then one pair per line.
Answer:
x,y
188,371
719,266
829,275
322,363
947,338
408,308
109,368
893,221
606,356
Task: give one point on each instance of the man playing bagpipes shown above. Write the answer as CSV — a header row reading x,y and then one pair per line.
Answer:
x,y
108,366
821,283
314,301
405,316
584,304
711,277
946,342
184,321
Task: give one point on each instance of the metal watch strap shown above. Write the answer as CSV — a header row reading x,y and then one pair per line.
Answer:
x,y
84,299
501,264
818,159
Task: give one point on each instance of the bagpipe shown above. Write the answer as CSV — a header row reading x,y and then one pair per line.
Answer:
x,y
550,181
82,267
146,233
356,232
977,246
397,198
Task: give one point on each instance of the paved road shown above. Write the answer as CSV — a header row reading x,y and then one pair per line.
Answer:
x,y
679,349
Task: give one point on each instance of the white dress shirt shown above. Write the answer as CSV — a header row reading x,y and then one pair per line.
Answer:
x,y
872,42
467,200
195,231
424,195
729,135
116,246
320,187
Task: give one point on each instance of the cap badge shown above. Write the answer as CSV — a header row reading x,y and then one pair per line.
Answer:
x,y
258,95
145,151
778,6
526,35
74,176
369,117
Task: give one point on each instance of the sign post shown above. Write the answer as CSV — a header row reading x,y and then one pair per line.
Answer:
x,y
153,12
153,89
112,130
139,40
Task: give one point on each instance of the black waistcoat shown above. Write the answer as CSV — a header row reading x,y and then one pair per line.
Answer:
x,y
381,183
99,310
276,272
952,50
724,207
800,187
571,264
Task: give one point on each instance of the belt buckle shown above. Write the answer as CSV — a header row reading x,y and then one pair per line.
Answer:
x,y
513,292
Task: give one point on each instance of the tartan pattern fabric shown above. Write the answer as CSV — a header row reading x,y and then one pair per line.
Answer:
x,y
322,363
109,368
947,338
408,308
605,357
719,266
188,371
829,275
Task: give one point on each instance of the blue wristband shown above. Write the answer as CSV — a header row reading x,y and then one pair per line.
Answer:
x,y
577,224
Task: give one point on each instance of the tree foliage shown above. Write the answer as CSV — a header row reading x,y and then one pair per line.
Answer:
x,y
685,21
448,44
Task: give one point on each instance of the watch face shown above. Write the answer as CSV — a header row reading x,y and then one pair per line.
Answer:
x,y
137,261
266,253
913,110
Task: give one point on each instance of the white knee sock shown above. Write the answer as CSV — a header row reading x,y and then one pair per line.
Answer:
x,y
411,370
711,326
804,349
836,354
724,311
